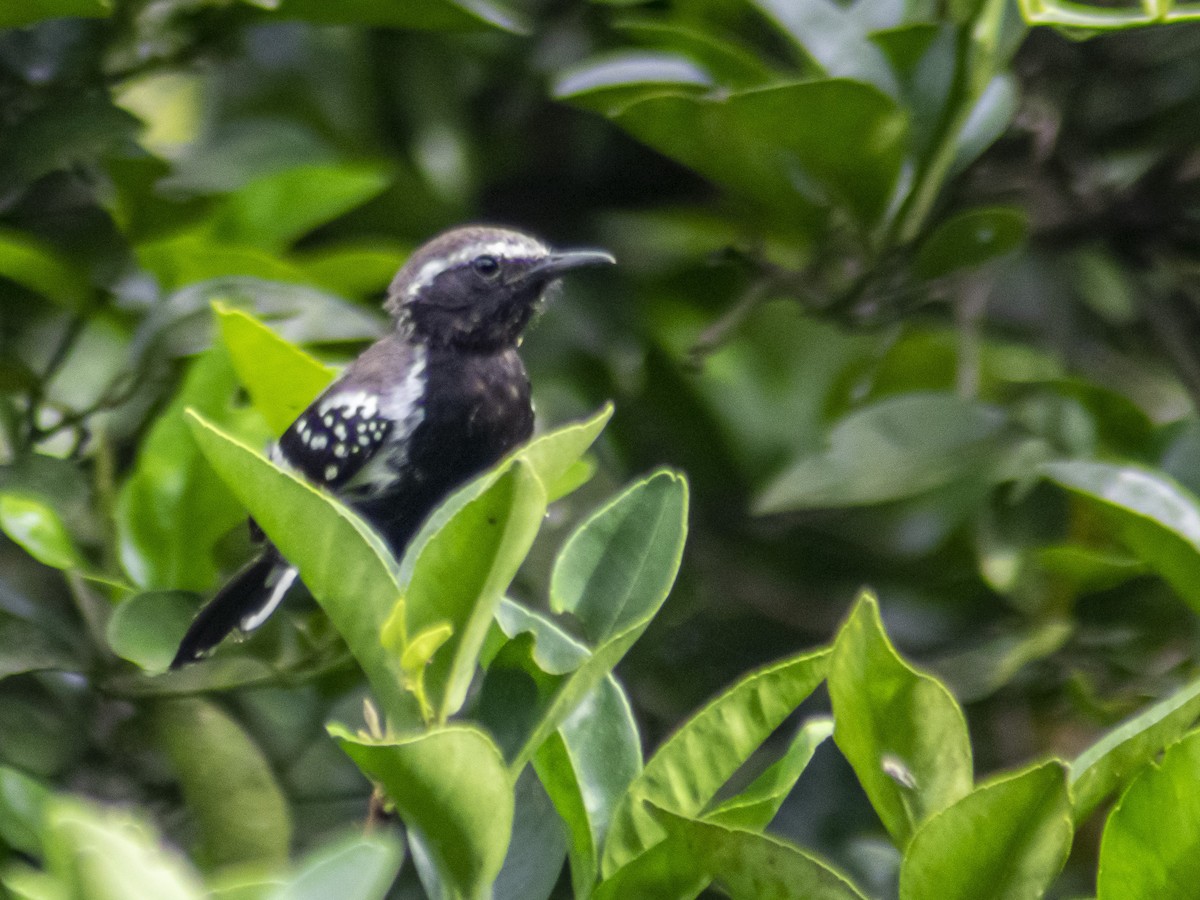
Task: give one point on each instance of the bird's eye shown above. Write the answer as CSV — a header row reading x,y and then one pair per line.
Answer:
x,y
487,266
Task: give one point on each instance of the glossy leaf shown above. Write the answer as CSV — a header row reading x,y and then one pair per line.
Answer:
x,y
636,616
896,448
280,378
39,266
1007,840
146,628
1151,843
764,144
273,211
687,771
343,562
241,814
111,854
900,729
538,848
608,83
1110,762
750,866
36,527
440,780
622,558
1156,518
358,867
586,767
971,238
755,806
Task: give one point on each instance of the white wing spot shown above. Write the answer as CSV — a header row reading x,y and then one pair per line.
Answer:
x,y
331,472
319,441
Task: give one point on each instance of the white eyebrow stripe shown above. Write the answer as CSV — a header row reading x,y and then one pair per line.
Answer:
x,y
515,247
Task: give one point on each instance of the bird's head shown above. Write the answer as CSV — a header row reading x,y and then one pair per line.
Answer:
x,y
478,287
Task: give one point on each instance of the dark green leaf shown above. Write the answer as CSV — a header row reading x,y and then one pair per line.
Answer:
x,y
146,628
688,770
16,13
897,448
451,785
1151,844
1006,840
900,729
971,238
1156,518
425,15
22,811
241,813
1110,762
40,267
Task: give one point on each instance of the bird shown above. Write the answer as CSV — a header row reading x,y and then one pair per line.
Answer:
x,y
439,399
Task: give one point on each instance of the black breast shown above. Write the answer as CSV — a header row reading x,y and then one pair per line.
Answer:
x,y
476,409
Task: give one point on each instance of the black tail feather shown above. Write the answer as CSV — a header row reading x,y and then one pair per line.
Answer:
x,y
245,594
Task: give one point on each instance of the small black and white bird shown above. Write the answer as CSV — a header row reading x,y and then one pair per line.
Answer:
x,y
426,408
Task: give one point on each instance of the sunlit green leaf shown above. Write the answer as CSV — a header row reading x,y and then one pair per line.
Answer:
x,y
1122,751
687,771
900,729
280,377
241,813
1151,843
1007,840
755,806
112,854
440,780
37,528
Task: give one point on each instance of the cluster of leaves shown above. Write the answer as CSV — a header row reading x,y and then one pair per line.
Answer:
x,y
898,285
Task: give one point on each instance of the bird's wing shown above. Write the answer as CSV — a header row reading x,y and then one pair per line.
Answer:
x,y
374,404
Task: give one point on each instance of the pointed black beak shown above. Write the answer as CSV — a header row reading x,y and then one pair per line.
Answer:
x,y
558,264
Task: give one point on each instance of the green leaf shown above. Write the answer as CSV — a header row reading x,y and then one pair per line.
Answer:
x,y
554,651
1124,750
1151,844
28,647
357,867
755,806
1006,840
281,378
273,211
900,729
556,452
459,573
687,771
971,238
17,13
793,149
572,688
173,509
22,811
980,671
832,37
353,268
586,767
36,527
608,83
1155,517
751,866
894,449
450,784
424,15
38,266
241,813
625,554
146,628
111,854
343,562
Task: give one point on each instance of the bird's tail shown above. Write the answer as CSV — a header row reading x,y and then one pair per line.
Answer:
x,y
244,603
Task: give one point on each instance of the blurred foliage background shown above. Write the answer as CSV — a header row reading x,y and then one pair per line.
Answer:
x,y
908,291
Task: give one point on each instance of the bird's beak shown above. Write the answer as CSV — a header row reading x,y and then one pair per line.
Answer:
x,y
558,264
